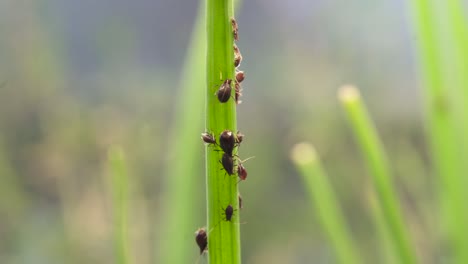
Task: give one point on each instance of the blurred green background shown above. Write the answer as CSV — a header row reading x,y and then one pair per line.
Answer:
x,y
81,76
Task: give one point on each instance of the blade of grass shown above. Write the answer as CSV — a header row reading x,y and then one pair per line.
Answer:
x,y
119,181
224,239
379,169
176,242
459,44
322,196
442,126
383,232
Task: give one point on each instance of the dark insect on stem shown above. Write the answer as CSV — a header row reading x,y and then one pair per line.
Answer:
x,y
227,141
224,91
208,138
229,211
240,201
228,163
237,56
240,76
202,239
235,29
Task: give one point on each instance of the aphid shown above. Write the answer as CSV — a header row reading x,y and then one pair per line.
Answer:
x,y
238,89
240,201
229,211
202,239
240,76
224,91
208,138
241,172
239,137
235,29
227,141
237,56
228,163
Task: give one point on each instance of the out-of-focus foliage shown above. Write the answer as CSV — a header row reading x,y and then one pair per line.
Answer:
x,y
81,76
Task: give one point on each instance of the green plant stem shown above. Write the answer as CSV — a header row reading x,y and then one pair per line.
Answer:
x,y
119,180
442,126
387,249
378,167
223,236
321,194
184,155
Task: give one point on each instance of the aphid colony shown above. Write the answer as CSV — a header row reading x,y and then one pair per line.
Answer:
x,y
224,91
227,140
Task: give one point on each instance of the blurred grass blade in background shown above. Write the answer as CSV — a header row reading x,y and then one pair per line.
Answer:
x,y
120,199
181,204
386,247
444,88
458,40
379,170
322,196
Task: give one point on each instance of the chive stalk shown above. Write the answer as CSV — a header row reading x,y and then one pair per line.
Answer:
x,y
379,170
120,189
223,236
326,203
444,126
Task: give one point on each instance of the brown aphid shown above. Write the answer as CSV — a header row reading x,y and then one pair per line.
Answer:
x,y
238,94
208,138
227,141
235,29
237,60
202,239
224,91
229,211
240,76
228,163
239,137
237,56
241,172
240,201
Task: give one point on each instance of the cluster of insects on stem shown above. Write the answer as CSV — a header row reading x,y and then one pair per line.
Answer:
x,y
225,89
228,141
